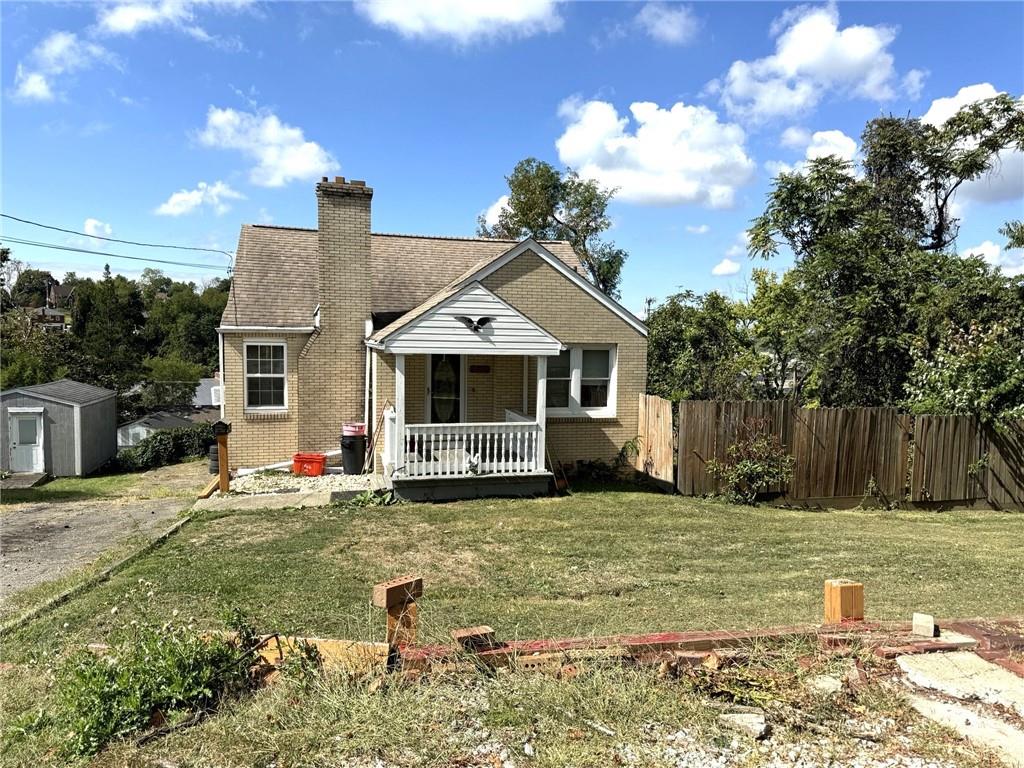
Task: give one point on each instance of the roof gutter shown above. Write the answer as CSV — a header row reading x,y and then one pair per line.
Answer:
x,y
277,328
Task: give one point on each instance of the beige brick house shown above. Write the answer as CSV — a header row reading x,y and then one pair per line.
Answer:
x,y
476,364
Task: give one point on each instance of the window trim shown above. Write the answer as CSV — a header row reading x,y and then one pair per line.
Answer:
x,y
246,408
576,382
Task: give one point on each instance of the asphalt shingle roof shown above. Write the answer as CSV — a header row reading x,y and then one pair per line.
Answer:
x,y
276,276
66,391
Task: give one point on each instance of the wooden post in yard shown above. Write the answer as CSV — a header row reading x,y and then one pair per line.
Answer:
x,y
844,601
221,429
398,597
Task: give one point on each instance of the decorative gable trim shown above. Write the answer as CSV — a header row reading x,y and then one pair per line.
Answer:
x,y
470,320
560,266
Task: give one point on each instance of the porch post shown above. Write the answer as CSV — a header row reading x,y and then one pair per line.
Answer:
x,y
542,402
400,450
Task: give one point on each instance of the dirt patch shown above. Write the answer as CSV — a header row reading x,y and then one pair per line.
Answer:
x,y
42,542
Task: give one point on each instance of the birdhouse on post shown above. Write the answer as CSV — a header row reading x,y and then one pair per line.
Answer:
x,y
221,430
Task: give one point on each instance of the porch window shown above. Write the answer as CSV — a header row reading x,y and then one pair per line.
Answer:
x,y
581,382
265,375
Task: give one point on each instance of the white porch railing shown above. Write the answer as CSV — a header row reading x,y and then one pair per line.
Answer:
x,y
462,450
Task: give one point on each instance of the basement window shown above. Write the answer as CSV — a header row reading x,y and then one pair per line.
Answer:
x,y
266,373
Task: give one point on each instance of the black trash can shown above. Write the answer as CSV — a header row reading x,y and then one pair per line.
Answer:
x,y
353,453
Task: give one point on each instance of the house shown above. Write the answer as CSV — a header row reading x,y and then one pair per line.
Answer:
x,y
131,433
208,393
50,319
476,364
62,428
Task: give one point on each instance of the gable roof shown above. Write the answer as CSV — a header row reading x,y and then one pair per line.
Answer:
x,y
65,391
483,268
159,420
406,270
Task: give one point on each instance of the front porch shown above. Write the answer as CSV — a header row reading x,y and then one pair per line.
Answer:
x,y
437,452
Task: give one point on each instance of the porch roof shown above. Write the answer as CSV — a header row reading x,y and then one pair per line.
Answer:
x,y
465,320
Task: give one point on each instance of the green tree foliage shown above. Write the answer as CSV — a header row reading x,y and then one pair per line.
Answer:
x,y
32,355
108,318
170,382
30,289
546,204
698,349
871,250
977,371
777,322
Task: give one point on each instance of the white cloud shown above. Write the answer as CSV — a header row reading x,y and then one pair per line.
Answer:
x,y
725,268
913,82
1011,261
494,210
213,196
825,143
942,109
464,21
699,229
677,155
58,54
281,151
1006,179
128,18
670,24
813,56
96,228
795,137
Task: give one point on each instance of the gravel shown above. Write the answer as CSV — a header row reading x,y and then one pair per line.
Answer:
x,y
286,482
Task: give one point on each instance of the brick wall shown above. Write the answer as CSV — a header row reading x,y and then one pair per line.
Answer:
x,y
259,438
537,290
333,367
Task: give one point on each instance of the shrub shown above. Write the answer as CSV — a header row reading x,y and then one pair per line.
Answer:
x,y
167,446
153,673
754,462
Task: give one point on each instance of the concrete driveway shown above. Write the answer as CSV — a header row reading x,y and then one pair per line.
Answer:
x,y
42,541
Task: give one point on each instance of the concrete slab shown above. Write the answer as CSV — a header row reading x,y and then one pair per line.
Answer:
x,y
965,675
985,731
23,480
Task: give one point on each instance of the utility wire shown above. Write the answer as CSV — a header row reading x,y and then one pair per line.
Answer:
x,y
73,249
229,254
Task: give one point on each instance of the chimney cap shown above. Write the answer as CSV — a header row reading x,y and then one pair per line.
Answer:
x,y
339,179
357,182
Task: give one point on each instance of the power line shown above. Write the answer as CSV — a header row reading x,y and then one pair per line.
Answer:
x,y
73,249
229,254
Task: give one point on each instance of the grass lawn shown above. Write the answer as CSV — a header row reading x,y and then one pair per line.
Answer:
x,y
597,562
73,489
594,563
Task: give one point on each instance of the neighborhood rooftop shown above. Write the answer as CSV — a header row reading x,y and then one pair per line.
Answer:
x,y
407,270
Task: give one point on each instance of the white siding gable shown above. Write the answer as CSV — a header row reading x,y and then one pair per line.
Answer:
x,y
440,331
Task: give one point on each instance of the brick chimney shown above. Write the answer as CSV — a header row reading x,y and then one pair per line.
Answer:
x,y
332,369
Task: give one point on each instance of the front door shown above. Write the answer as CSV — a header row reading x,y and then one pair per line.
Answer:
x,y
26,442
445,389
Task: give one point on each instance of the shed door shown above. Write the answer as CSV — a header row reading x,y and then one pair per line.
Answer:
x,y
26,442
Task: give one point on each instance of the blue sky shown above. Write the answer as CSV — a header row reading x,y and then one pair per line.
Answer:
x,y
176,122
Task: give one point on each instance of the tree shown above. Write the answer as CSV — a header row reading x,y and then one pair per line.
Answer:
x,y
870,249
1013,231
31,288
777,323
546,204
32,355
107,317
978,371
698,349
170,382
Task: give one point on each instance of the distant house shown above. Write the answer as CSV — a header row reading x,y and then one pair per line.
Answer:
x,y
50,319
471,361
62,428
134,431
208,393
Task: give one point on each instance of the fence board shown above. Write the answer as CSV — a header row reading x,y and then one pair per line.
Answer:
x,y
944,450
1005,473
654,456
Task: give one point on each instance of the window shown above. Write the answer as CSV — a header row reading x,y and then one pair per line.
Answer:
x,y
581,382
265,373
559,380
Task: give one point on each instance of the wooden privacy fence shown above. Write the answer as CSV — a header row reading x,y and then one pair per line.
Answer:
x,y
848,453
655,456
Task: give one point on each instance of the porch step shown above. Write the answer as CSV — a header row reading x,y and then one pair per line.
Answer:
x,y
22,480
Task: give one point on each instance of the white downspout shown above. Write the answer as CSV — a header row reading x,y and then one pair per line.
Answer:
x,y
220,352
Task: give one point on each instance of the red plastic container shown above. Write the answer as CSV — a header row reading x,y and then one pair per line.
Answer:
x,y
308,464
